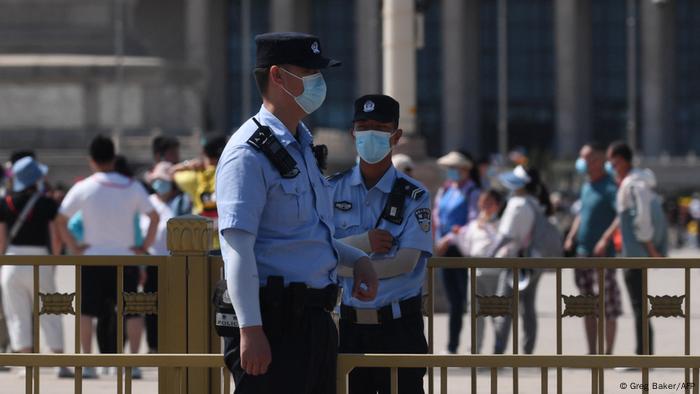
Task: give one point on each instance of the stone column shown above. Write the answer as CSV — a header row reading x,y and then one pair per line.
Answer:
x,y
657,76
290,15
460,75
572,30
368,47
399,63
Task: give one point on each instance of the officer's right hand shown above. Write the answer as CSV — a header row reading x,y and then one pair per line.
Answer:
x,y
255,351
381,241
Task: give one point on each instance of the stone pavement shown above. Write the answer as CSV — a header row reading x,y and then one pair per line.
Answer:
x,y
668,341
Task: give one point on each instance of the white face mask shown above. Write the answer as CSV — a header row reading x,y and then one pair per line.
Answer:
x,y
314,93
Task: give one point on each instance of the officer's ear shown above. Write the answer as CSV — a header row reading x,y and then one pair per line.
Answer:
x,y
396,137
276,75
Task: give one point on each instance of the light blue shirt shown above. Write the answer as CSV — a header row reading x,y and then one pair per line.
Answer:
x,y
290,218
357,211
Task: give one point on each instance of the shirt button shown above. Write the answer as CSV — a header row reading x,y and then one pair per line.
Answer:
x,y
367,203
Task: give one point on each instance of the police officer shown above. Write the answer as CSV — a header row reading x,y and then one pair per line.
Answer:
x,y
276,231
387,214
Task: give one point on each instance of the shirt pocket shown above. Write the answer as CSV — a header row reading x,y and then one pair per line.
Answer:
x,y
289,203
347,222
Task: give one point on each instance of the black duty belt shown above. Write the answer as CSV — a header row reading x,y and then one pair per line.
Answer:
x,y
298,295
409,307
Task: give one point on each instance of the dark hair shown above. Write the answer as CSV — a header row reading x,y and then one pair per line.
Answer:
x,y
121,166
622,150
162,144
495,195
596,146
474,174
214,146
21,154
102,149
262,79
539,190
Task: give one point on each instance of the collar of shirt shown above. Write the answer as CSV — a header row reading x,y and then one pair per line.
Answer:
x,y
285,137
385,184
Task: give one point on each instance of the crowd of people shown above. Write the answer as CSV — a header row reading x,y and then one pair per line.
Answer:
x,y
618,213
292,238
111,212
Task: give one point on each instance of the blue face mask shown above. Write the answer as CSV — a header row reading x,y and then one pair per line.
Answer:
x,y
162,187
453,174
314,92
581,166
373,145
610,169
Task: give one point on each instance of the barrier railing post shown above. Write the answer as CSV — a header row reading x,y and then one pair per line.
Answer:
x,y
184,322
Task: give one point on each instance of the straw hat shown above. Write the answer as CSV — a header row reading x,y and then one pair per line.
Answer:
x,y
455,159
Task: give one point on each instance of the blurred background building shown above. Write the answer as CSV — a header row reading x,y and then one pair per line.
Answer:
x,y
572,67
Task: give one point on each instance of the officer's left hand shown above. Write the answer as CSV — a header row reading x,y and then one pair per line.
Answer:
x,y
365,284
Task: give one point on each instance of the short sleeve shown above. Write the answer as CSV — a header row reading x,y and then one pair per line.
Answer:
x,y
142,200
418,231
241,191
71,203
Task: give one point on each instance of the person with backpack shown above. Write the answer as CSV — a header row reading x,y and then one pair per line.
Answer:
x,y
524,231
642,224
26,222
456,204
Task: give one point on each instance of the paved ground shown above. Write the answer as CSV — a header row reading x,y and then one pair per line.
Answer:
x,y
668,341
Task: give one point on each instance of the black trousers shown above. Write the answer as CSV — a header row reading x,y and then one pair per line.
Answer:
x,y
404,335
303,358
151,286
633,280
456,282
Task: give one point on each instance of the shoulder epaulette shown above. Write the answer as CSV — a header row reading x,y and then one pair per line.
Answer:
x,y
410,190
265,141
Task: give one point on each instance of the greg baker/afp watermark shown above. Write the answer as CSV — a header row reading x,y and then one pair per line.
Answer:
x,y
635,386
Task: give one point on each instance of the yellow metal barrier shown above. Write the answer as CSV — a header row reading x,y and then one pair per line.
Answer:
x,y
180,363
348,362
662,306
182,303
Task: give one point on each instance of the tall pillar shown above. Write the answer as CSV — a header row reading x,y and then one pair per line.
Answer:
x,y
290,15
572,31
368,47
196,31
460,75
399,67
657,71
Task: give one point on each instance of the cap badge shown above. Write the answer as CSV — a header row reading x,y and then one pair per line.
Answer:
x,y
369,106
314,48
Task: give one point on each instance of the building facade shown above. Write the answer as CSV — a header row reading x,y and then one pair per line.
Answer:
x,y
188,68
567,69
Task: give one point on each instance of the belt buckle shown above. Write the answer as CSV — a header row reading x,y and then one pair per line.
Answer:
x,y
367,316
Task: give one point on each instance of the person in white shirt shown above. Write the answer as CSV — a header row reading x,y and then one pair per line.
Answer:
x,y
516,230
478,239
108,202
